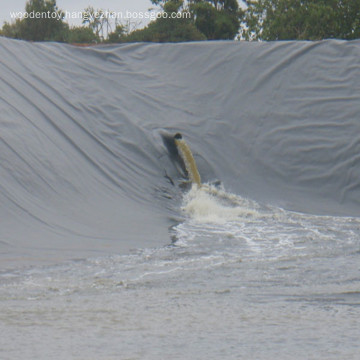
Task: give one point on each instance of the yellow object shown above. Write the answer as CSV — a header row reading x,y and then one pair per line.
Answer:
x,y
188,158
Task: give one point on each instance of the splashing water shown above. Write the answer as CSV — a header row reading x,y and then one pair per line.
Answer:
x,y
260,231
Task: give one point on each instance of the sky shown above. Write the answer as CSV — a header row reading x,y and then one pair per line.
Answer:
x,y
132,6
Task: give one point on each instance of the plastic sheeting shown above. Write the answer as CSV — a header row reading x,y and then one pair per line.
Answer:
x,y
82,162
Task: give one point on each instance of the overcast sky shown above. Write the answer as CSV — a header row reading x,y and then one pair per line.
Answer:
x,y
7,6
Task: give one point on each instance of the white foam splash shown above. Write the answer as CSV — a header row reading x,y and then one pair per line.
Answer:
x,y
257,231
207,204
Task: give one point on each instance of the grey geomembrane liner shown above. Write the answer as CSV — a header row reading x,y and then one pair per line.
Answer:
x,y
83,168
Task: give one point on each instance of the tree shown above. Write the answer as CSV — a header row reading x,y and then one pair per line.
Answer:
x,y
349,19
49,26
168,28
44,22
80,34
93,18
12,30
216,19
302,19
118,35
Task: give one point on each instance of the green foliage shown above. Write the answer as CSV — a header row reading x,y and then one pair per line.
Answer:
x,y
80,34
45,28
167,28
216,19
349,19
302,19
93,18
209,19
118,35
12,30
44,22
173,6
